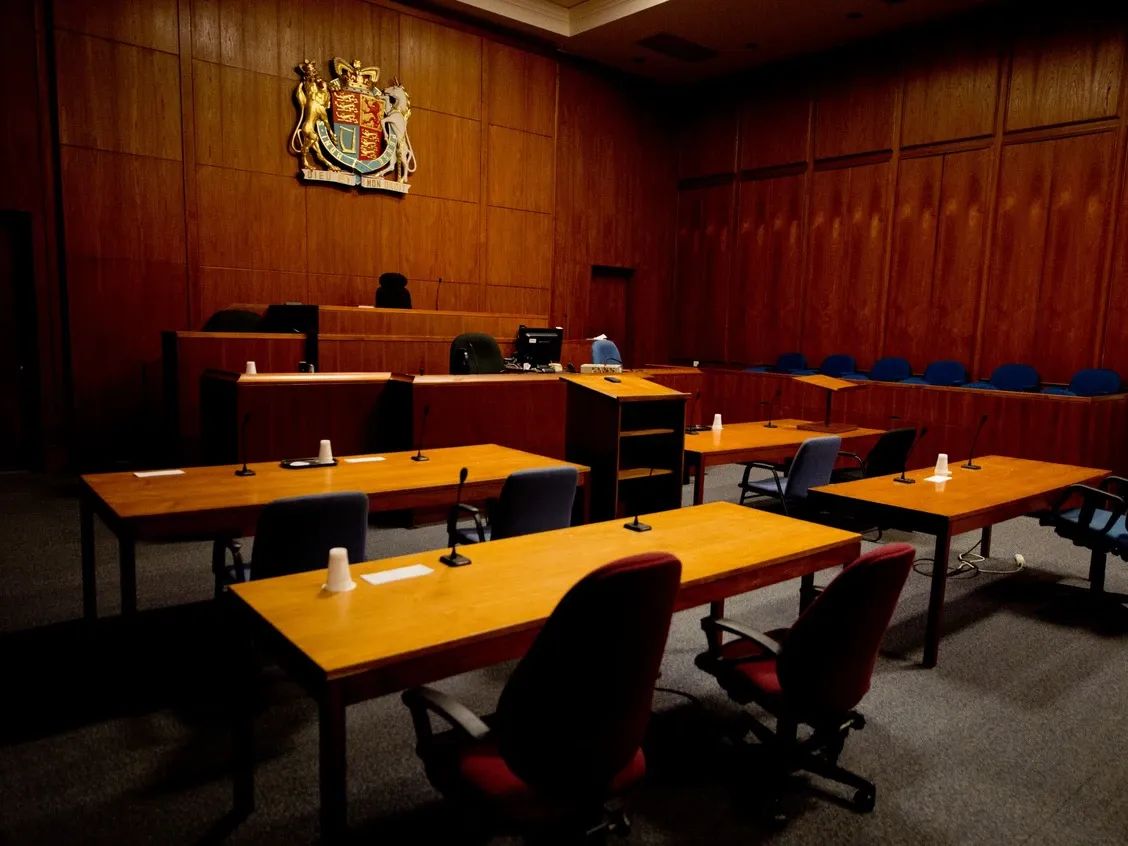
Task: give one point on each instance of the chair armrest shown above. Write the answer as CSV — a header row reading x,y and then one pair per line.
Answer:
x,y
423,701
1092,498
1109,482
712,624
452,522
846,454
762,465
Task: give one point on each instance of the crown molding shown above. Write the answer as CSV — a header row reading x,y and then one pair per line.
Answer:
x,y
558,20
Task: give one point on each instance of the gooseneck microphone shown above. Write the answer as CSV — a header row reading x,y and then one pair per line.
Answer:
x,y
920,437
968,465
419,456
634,525
244,470
454,558
771,405
695,409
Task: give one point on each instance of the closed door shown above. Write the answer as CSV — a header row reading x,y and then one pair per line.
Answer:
x,y
19,429
607,306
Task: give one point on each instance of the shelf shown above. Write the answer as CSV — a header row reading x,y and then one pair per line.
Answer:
x,y
643,473
642,433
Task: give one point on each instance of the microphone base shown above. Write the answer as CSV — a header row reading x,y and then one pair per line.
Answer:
x,y
454,559
637,526
905,481
421,457
970,466
245,471
770,425
695,429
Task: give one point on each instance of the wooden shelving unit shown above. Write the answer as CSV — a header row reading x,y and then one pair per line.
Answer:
x,y
632,435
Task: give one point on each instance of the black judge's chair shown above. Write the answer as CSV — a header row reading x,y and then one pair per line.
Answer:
x,y
815,673
566,738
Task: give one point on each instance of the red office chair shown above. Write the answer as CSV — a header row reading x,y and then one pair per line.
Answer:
x,y
565,740
817,671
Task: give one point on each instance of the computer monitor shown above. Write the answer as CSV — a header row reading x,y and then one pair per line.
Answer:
x,y
539,347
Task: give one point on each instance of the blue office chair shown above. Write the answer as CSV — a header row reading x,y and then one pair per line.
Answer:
x,y
812,466
946,373
530,501
295,534
793,363
1098,524
840,366
1010,377
1093,382
604,351
892,369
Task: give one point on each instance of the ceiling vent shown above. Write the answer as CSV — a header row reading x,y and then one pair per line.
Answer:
x,y
676,47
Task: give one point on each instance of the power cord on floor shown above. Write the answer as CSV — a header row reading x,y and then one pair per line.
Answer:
x,y
971,565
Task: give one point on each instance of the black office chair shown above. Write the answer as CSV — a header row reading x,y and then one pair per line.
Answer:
x,y
530,501
566,738
475,352
295,534
233,320
814,673
888,455
812,466
393,292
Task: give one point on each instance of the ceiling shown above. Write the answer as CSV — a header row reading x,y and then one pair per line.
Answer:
x,y
735,34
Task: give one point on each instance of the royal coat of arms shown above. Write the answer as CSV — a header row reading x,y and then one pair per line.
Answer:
x,y
349,132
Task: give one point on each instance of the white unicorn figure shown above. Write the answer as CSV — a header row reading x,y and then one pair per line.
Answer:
x,y
396,112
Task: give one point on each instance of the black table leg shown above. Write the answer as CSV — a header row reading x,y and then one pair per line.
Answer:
x,y
936,597
334,810
128,559
807,592
244,668
985,542
89,573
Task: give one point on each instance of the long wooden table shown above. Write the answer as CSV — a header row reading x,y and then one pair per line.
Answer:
x,y
375,640
741,442
971,499
213,503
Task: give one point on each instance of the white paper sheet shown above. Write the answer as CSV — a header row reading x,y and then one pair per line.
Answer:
x,y
363,459
399,574
147,474
938,479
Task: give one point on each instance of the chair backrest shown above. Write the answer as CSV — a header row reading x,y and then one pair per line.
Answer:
x,y
393,292
604,351
1015,377
791,361
233,320
1095,382
836,365
296,533
574,711
813,464
892,369
826,660
475,352
534,501
890,453
945,373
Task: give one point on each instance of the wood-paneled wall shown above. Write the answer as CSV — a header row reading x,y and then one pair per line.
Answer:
x,y
954,193
179,196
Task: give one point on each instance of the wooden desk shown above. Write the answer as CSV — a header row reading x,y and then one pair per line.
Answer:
x,y
741,442
206,503
374,640
972,499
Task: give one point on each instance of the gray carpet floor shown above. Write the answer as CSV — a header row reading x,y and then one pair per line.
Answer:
x,y
119,734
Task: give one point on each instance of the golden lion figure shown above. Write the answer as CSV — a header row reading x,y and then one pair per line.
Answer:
x,y
312,95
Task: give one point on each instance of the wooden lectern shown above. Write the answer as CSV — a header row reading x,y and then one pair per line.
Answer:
x,y
831,386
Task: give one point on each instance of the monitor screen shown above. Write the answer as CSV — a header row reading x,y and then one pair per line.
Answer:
x,y
539,347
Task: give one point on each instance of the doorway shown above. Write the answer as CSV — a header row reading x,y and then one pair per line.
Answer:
x,y
20,435
607,306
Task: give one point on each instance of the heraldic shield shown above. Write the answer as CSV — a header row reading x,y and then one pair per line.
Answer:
x,y
351,132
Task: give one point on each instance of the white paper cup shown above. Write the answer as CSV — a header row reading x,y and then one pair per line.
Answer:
x,y
325,451
717,423
942,465
339,579
251,369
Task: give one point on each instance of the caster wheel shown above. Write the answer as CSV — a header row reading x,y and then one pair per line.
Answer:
x,y
865,799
